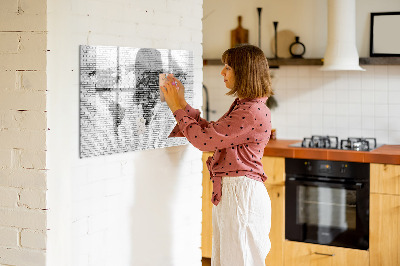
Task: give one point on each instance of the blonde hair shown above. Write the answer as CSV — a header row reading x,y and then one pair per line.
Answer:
x,y
250,66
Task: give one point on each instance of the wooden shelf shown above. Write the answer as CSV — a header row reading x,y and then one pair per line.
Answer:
x,y
274,63
380,61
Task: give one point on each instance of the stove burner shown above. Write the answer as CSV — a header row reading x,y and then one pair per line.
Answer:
x,y
328,142
332,142
358,144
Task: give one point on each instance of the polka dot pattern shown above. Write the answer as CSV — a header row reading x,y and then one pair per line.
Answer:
x,y
238,139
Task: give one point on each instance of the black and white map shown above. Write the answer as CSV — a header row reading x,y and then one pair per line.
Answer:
x,y
120,107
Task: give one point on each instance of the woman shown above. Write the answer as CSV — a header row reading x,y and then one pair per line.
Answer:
x,y
242,208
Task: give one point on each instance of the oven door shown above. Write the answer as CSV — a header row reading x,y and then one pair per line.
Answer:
x,y
327,213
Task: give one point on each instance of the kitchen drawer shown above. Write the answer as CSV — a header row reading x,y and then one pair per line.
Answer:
x,y
305,254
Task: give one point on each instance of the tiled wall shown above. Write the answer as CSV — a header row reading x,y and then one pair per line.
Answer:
x,y
344,103
313,102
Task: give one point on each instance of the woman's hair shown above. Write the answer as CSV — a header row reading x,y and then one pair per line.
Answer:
x,y
250,66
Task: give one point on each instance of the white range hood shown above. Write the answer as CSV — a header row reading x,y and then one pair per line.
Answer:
x,y
341,51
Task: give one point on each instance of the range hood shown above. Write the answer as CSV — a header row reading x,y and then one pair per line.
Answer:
x,y
341,51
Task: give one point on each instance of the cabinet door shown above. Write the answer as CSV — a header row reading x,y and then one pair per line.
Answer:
x,y
277,233
274,168
304,254
384,230
385,178
206,226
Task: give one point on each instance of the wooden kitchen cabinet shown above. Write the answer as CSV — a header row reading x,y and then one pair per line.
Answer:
x,y
385,178
305,254
274,168
206,225
385,215
384,236
277,233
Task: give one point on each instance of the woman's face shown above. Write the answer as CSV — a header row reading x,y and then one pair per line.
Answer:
x,y
229,76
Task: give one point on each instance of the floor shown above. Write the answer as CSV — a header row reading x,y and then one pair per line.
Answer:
x,y
206,261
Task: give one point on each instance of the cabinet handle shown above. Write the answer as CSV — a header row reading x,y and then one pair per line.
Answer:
x,y
324,254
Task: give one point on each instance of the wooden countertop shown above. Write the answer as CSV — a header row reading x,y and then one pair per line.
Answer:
x,y
389,154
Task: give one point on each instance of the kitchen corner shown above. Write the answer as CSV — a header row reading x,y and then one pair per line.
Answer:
x,y
382,192
331,205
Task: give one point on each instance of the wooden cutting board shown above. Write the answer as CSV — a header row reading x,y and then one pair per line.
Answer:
x,y
239,35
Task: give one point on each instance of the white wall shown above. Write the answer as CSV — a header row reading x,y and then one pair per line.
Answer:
x,y
306,19
136,208
23,133
311,102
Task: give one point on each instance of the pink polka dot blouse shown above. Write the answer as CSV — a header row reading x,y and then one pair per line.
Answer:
x,y
238,139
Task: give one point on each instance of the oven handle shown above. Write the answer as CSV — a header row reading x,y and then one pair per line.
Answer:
x,y
357,185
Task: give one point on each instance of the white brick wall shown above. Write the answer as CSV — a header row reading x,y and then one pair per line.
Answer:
x,y
9,237
33,239
136,208
22,132
100,208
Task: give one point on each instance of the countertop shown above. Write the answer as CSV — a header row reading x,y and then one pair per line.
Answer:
x,y
389,154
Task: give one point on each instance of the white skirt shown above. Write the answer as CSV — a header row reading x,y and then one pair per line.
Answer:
x,y
241,223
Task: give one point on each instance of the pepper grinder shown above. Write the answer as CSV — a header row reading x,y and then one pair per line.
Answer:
x,y
276,38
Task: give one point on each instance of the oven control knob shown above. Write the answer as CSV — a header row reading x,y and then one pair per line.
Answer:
x,y
308,166
343,168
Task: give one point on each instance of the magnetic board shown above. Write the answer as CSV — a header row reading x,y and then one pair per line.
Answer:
x,y
120,107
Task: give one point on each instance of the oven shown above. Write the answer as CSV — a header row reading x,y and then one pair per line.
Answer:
x,y
327,202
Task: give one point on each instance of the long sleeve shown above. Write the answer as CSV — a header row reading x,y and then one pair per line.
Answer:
x,y
238,140
193,113
231,130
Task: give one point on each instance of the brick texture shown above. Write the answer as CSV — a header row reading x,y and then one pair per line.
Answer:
x,y
23,218
9,237
33,239
17,256
23,126
8,197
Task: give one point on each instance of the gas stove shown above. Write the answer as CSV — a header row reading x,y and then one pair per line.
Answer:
x,y
332,142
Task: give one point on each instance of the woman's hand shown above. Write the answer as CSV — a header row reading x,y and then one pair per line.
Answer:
x,y
172,95
181,92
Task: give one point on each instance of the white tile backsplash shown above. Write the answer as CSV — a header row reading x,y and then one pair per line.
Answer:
x,y
394,97
381,110
367,96
394,123
381,97
367,110
394,110
381,84
343,103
